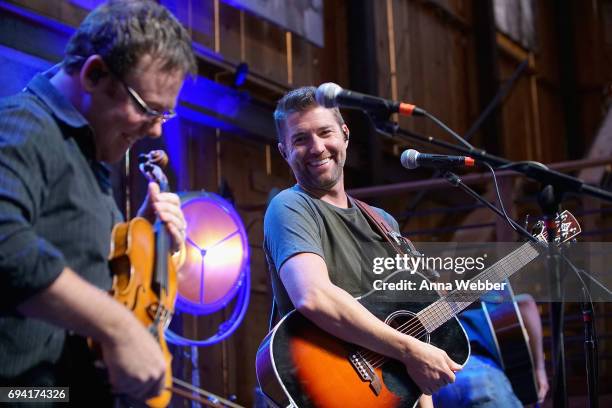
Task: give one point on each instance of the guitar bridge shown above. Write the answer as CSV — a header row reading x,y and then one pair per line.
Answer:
x,y
365,371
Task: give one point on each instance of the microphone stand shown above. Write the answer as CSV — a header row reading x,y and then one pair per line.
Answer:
x,y
533,170
549,203
556,185
590,338
590,350
455,180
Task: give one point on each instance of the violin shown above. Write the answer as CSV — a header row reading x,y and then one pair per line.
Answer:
x,y
144,275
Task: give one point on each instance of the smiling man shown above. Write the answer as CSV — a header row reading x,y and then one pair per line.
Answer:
x,y
119,81
317,162
319,244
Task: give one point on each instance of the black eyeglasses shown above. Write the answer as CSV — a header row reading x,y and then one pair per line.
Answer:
x,y
146,110
151,113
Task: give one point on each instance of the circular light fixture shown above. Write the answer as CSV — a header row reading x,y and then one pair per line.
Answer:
x,y
216,257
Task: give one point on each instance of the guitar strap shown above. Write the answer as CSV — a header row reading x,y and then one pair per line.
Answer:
x,y
400,244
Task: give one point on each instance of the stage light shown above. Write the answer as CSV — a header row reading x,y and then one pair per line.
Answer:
x,y
217,254
216,268
241,74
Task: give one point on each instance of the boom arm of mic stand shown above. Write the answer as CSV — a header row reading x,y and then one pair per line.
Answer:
x,y
535,172
590,345
455,180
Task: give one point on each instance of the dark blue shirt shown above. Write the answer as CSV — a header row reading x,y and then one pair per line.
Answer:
x,y
478,330
56,211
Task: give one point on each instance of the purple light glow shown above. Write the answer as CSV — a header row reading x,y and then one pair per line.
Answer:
x,y
217,254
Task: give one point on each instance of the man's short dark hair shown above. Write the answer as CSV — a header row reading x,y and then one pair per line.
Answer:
x,y
123,31
297,100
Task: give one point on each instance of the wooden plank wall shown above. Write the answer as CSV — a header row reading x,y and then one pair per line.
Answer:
x,y
593,64
425,54
432,49
532,112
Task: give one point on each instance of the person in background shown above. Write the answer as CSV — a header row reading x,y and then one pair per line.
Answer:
x,y
482,382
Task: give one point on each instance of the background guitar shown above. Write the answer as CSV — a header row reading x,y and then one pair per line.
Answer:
x,y
512,342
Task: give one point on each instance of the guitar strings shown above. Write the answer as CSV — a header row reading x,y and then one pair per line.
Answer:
x,y
437,311
432,311
382,359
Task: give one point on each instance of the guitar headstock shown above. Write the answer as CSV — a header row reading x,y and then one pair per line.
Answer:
x,y
566,226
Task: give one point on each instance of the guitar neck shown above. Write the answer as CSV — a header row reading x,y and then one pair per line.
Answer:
x,y
445,308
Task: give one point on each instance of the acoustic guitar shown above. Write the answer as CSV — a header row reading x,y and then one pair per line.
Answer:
x,y
511,337
512,343
300,365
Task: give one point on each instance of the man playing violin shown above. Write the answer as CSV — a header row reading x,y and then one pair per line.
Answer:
x,y
119,81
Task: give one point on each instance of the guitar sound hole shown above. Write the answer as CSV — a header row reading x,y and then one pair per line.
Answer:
x,y
407,322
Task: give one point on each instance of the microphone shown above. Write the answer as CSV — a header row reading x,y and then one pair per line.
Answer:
x,y
331,95
411,159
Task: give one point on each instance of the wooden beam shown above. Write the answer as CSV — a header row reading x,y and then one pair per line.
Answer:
x,y
488,74
447,14
478,178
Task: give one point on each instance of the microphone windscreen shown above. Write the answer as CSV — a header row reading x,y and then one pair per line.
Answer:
x,y
409,159
326,94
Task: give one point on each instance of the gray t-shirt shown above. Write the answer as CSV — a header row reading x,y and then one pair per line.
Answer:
x,y
296,222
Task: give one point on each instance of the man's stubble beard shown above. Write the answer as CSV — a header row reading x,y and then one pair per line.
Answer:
x,y
325,186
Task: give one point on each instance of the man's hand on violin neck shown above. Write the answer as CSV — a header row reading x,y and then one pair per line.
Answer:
x,y
166,206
